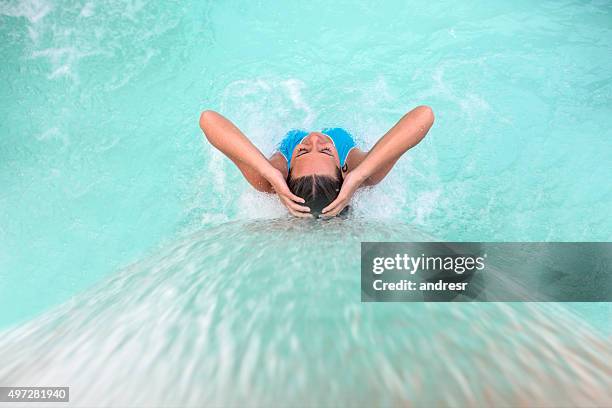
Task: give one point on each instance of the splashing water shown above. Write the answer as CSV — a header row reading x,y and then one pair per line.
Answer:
x,y
201,323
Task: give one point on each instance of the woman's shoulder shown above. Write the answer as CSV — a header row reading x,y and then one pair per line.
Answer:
x,y
353,159
279,162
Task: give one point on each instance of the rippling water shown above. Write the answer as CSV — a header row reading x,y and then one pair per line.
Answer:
x,y
133,254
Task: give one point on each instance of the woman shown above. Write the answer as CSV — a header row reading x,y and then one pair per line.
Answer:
x,y
316,172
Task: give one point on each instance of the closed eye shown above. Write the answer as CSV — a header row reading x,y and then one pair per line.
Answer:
x,y
327,151
301,151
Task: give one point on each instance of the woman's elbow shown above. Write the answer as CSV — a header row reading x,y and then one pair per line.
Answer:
x,y
207,118
426,114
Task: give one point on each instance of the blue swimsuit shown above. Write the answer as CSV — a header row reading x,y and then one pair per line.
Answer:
x,y
342,139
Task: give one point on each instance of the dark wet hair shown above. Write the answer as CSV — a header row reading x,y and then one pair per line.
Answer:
x,y
317,190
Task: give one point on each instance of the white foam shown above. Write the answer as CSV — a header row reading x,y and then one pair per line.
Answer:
x,y
62,60
256,205
87,10
294,89
264,109
217,171
33,10
425,204
52,134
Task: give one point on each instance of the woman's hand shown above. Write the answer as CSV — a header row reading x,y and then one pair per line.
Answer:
x,y
289,200
351,183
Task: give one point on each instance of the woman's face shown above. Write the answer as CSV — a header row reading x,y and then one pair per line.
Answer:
x,y
316,154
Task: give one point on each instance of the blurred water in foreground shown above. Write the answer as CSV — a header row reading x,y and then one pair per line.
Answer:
x,y
101,158
201,323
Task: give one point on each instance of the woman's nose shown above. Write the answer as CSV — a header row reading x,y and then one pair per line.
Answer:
x,y
315,138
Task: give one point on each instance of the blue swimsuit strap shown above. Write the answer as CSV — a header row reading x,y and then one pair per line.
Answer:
x,y
343,141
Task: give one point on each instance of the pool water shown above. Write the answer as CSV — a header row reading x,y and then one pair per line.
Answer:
x,y
107,186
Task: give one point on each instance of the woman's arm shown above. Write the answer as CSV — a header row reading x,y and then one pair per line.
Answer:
x,y
266,176
227,138
371,167
407,133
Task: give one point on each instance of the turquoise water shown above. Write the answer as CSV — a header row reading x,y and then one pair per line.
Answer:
x,y
103,168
